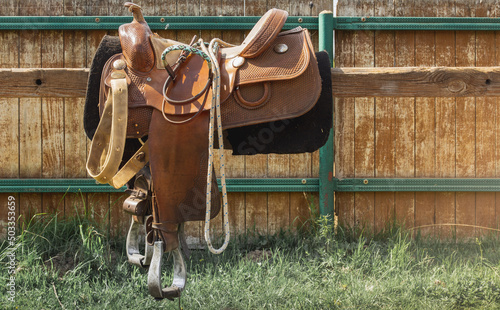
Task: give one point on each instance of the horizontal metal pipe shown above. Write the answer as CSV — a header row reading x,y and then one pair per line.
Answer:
x,y
247,22
155,22
271,185
417,185
90,185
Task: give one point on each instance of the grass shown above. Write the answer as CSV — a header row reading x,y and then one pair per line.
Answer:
x,y
71,264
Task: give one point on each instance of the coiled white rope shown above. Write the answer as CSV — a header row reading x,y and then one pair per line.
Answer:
x,y
212,51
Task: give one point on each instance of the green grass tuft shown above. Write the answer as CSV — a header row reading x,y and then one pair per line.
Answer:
x,y
318,267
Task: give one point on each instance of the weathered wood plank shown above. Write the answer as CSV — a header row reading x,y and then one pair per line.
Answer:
x,y
425,126
9,118
344,121
119,220
53,123
46,82
74,7
301,204
465,140
211,7
9,8
75,140
486,122
30,133
9,135
364,123
278,204
445,137
279,4
364,134
385,118
405,129
416,82
346,82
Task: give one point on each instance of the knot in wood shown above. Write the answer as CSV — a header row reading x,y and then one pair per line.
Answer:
x,y
457,86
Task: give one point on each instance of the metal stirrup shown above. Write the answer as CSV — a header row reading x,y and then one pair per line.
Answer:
x,y
137,235
154,275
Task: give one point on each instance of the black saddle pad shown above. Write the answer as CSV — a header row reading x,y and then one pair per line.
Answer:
x,y
306,133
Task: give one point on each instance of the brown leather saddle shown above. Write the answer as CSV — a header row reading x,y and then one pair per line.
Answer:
x,y
181,96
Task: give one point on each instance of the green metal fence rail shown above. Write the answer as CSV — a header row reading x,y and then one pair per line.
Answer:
x,y
417,185
416,23
91,186
326,153
247,22
154,22
270,185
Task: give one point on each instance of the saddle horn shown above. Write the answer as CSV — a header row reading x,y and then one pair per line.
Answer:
x,y
136,11
134,39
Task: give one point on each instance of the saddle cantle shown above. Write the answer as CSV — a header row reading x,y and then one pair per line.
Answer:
x,y
177,96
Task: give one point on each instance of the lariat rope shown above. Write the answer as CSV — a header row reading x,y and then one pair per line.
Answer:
x,y
212,51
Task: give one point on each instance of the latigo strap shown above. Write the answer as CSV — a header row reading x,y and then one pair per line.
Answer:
x,y
107,147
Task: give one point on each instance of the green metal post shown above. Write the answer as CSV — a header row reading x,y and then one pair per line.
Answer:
x,y
326,154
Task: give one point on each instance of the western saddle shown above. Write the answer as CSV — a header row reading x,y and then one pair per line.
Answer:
x,y
180,97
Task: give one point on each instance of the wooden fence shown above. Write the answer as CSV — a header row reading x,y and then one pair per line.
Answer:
x,y
44,137
423,137
382,137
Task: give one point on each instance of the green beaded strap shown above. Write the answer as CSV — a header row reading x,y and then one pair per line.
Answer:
x,y
186,48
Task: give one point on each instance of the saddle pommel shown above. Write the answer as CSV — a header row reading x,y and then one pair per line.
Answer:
x,y
136,11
